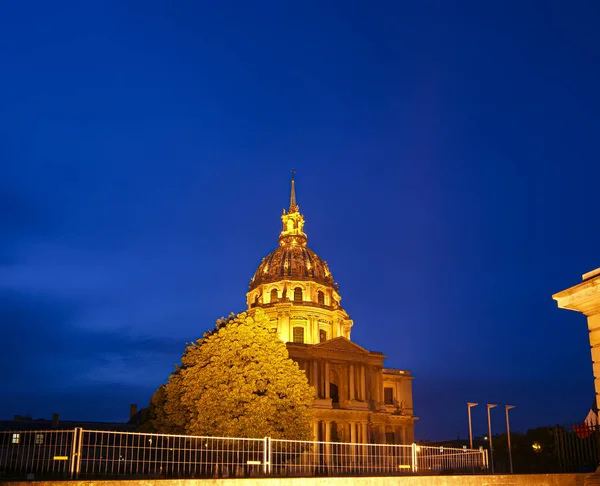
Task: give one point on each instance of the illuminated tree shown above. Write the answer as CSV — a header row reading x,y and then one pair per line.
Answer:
x,y
237,381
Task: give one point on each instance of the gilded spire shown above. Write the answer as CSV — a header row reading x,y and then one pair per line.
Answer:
x,y
293,205
292,233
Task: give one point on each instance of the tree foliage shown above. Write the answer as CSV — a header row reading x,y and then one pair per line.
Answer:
x,y
237,381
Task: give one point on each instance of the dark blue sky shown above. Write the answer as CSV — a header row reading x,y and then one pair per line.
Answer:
x,y
447,166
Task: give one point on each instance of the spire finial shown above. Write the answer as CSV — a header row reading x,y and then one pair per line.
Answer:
x,y
293,193
292,233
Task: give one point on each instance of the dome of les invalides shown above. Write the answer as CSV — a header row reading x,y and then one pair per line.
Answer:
x,y
292,260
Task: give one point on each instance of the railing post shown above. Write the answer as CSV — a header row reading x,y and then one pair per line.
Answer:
x,y
485,459
414,457
75,459
270,455
78,453
267,453
73,454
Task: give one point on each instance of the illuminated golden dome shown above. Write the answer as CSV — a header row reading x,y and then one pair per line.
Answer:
x,y
293,260
292,263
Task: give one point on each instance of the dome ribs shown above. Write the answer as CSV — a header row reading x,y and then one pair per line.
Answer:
x,y
312,272
292,263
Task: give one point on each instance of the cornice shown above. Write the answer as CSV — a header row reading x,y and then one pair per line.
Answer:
x,y
584,297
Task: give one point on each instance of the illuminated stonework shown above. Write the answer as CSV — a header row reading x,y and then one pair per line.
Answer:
x,y
295,288
585,298
356,398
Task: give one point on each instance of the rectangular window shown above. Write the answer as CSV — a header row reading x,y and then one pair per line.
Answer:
x,y
39,438
390,437
388,396
15,438
299,335
322,336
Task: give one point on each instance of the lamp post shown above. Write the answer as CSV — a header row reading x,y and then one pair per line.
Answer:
x,y
507,408
489,407
469,406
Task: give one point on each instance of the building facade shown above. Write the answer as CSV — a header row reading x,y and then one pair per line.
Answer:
x,y
356,399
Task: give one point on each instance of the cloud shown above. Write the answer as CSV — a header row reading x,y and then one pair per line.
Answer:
x,y
45,352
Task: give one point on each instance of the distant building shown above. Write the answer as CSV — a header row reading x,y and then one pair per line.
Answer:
x,y
27,423
356,399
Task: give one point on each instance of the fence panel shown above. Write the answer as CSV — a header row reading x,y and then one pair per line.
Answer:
x,y
300,458
158,455
575,447
43,453
435,460
103,454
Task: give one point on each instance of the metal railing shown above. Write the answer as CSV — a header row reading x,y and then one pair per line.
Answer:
x,y
298,458
45,452
431,459
576,447
156,455
83,453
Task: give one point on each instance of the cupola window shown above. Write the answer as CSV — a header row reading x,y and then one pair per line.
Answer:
x,y
299,335
320,297
322,336
274,295
297,294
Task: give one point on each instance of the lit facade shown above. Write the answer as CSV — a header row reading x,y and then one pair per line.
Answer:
x,y
585,298
356,399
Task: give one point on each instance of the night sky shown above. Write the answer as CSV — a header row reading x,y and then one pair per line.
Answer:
x,y
447,167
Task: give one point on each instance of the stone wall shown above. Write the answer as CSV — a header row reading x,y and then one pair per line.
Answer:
x,y
488,480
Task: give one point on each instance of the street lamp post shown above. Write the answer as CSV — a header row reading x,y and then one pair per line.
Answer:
x,y
469,406
489,407
507,408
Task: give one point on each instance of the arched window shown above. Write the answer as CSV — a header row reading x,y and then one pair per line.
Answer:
x,y
320,297
322,336
274,295
299,335
297,294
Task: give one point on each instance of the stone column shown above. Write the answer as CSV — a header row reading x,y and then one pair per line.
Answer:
x,y
315,458
351,372
283,325
363,438
353,441
326,379
363,383
314,332
315,381
585,298
403,434
327,440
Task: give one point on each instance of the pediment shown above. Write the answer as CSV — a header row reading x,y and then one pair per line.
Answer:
x,y
340,344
